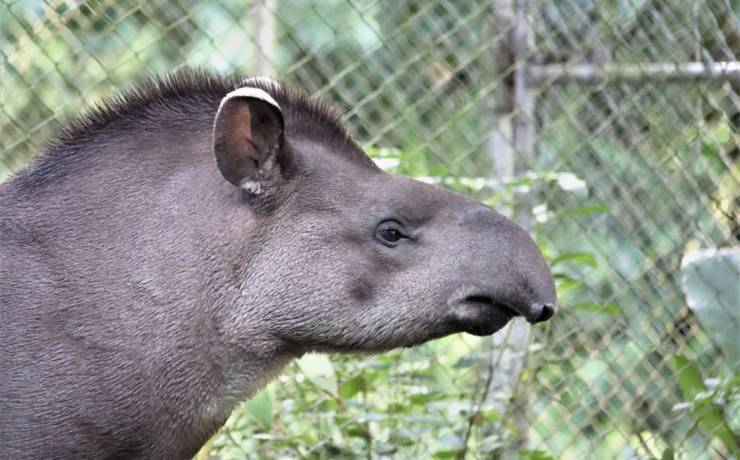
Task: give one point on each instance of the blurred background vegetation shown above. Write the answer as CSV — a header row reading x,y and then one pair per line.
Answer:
x,y
629,182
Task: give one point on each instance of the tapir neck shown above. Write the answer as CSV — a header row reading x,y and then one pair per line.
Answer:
x,y
134,270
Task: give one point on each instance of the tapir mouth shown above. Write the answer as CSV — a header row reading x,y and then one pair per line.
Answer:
x,y
482,315
488,301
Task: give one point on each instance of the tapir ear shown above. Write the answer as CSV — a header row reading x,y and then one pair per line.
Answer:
x,y
248,139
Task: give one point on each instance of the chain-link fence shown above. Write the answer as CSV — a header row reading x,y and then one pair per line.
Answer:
x,y
608,127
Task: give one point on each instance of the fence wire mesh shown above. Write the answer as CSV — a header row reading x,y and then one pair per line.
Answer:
x,y
608,127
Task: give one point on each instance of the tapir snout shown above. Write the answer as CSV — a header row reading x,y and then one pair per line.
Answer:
x,y
505,275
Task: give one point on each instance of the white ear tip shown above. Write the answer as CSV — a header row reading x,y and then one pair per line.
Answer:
x,y
260,80
254,93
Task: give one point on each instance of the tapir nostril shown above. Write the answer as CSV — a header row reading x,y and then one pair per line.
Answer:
x,y
541,312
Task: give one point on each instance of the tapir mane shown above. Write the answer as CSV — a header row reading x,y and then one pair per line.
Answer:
x,y
187,99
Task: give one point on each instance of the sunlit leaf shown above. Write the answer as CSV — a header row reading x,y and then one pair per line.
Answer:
x,y
259,408
582,258
710,416
534,455
567,284
609,309
584,210
689,377
446,453
353,386
320,371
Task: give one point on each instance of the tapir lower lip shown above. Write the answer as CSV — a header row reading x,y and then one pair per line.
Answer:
x,y
481,315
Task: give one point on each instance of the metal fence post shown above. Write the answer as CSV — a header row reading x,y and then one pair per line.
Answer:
x,y
263,25
511,148
499,142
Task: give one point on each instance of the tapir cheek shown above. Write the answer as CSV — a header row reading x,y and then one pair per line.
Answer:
x,y
361,290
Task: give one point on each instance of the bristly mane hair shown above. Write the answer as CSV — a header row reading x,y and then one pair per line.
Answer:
x,y
198,92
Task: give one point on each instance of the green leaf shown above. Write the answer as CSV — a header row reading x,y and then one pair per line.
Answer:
x,y
667,454
582,258
403,438
565,283
421,398
710,416
609,309
584,210
353,386
446,453
711,420
722,133
534,455
259,408
320,371
689,377
358,430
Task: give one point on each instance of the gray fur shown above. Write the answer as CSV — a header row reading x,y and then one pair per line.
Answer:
x,y
142,295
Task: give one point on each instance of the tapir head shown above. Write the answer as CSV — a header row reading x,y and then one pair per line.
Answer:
x,y
343,256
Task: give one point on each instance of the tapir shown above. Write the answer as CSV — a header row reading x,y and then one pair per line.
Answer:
x,y
173,249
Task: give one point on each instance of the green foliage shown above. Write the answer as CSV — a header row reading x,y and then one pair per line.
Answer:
x,y
259,408
382,405
534,455
707,405
320,372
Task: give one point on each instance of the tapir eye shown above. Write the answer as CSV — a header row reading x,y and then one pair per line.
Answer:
x,y
390,233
